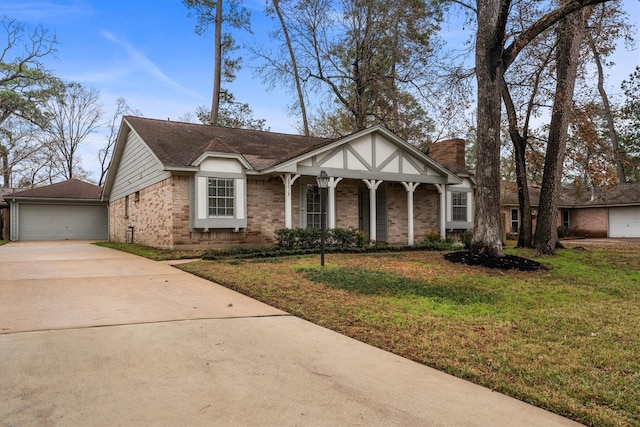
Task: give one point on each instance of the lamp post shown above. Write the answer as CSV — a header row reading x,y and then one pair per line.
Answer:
x,y
323,183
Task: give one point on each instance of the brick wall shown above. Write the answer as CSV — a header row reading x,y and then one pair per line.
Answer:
x,y
150,215
426,207
347,203
591,222
161,216
397,218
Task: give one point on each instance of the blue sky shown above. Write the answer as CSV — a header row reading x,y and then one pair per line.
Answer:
x,y
147,52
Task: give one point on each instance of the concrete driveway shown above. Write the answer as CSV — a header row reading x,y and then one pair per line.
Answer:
x,y
95,337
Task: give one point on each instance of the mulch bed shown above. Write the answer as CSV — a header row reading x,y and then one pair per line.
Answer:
x,y
507,262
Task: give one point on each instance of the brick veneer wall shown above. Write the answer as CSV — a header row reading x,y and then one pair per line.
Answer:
x,y
591,222
347,203
151,216
161,216
426,208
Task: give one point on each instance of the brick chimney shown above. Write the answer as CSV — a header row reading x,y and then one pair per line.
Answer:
x,y
449,153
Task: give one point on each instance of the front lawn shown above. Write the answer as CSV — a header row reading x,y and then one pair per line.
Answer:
x,y
565,338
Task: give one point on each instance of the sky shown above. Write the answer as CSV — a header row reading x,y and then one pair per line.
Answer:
x,y
146,51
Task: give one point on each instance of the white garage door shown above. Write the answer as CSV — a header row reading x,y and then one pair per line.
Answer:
x,y
63,222
624,222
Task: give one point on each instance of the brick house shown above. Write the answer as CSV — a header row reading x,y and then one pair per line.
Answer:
x,y
174,184
600,212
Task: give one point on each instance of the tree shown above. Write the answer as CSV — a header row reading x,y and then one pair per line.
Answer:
x,y
73,114
212,12
630,141
367,59
492,60
570,33
24,85
104,154
233,114
293,70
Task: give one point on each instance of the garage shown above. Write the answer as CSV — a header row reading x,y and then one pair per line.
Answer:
x,y
624,221
69,210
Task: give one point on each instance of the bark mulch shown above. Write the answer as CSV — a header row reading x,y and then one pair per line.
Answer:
x,y
507,262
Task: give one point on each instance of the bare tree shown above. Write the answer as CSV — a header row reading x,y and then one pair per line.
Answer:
x,y
104,154
73,115
295,73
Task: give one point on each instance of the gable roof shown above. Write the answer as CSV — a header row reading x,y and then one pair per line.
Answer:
x,y
72,189
178,144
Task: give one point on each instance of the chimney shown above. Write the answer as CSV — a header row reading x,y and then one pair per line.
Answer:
x,y
449,153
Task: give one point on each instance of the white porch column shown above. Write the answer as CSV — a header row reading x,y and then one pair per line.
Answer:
x,y
443,210
331,202
288,181
410,187
372,185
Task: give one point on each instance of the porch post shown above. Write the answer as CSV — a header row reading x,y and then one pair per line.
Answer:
x,y
372,185
410,187
288,181
443,210
331,202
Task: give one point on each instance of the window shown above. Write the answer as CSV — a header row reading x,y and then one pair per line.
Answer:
x,y
221,197
565,218
515,222
459,206
313,206
136,196
126,207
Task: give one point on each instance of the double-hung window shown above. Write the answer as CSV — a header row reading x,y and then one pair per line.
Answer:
x,y
515,220
221,197
313,206
459,206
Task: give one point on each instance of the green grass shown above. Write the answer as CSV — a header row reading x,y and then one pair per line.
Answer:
x,y
2,242
565,339
150,252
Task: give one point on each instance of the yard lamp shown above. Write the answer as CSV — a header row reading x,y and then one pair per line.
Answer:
x,y
323,183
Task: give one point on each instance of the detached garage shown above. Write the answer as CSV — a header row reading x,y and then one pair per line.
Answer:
x,y
69,210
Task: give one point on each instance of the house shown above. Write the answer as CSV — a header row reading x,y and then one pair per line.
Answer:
x,y
68,210
599,212
174,184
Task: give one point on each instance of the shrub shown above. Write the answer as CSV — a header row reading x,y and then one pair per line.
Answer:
x,y
433,236
309,238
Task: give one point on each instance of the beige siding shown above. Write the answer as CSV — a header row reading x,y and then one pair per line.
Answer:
x,y
138,169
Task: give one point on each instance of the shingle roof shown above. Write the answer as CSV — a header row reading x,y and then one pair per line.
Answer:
x,y
180,144
71,189
620,195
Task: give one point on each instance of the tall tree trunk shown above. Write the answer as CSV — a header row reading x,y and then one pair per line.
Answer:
x,y
217,66
570,33
492,16
613,136
6,170
294,64
519,141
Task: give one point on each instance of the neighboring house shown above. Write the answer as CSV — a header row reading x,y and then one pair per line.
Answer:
x,y
69,210
601,212
176,184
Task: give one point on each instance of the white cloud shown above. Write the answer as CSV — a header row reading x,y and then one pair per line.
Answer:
x,y
147,66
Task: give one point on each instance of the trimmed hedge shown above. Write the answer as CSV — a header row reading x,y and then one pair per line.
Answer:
x,y
274,252
309,238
